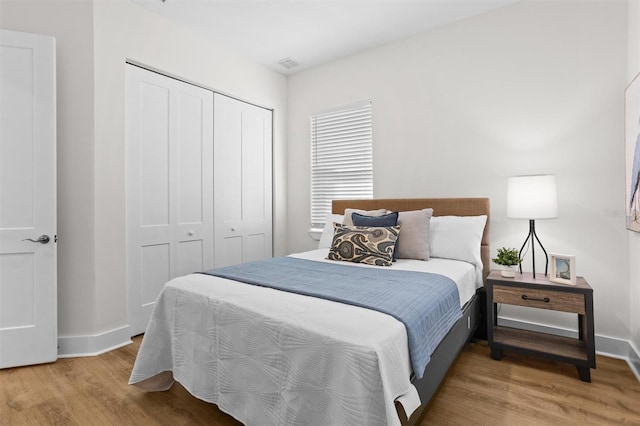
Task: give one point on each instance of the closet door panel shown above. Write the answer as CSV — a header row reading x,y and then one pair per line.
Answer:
x,y
190,257
155,259
255,247
190,155
227,182
253,167
228,160
257,182
229,251
169,185
242,182
153,155
194,180
154,229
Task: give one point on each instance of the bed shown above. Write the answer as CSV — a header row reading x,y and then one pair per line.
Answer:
x,y
267,356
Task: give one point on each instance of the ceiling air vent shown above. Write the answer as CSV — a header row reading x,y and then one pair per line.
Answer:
x,y
288,63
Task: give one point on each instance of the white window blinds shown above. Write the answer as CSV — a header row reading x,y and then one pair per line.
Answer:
x,y
341,157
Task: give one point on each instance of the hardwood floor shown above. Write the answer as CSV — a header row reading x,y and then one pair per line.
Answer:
x,y
523,390
518,390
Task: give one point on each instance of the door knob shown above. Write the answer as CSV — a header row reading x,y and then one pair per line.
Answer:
x,y
42,239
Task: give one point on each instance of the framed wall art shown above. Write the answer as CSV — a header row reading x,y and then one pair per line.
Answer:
x,y
563,268
632,154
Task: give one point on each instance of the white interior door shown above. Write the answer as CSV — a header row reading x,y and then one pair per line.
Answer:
x,y
242,182
169,185
28,282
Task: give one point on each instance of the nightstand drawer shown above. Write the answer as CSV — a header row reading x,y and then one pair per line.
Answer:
x,y
545,299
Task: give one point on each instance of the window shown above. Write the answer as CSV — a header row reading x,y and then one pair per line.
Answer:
x,y
341,157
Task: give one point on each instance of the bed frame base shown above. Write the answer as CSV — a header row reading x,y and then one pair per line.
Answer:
x,y
442,359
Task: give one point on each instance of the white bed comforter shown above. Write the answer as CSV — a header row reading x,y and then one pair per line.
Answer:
x,y
269,357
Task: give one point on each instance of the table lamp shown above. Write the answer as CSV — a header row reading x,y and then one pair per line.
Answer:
x,y
532,197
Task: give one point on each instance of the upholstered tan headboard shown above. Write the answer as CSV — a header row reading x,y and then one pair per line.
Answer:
x,y
440,206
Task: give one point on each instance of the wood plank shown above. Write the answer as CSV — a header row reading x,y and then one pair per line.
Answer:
x,y
518,390
569,349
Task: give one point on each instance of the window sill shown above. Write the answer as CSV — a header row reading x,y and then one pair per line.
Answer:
x,y
315,233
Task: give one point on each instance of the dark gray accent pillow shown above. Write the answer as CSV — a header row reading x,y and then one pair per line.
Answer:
x,y
390,219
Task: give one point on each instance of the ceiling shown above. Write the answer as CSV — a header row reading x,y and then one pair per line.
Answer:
x,y
312,32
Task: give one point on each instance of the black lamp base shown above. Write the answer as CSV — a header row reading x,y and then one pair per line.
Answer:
x,y
532,235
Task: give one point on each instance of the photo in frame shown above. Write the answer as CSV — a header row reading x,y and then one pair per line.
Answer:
x,y
632,154
563,268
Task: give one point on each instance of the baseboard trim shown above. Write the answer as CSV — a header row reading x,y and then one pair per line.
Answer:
x,y
634,360
78,346
605,345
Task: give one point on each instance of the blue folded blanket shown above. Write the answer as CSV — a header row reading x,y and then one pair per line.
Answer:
x,y
427,304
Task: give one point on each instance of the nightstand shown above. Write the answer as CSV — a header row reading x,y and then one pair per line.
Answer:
x,y
524,290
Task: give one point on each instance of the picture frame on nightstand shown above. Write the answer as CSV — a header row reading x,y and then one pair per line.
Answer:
x,y
563,268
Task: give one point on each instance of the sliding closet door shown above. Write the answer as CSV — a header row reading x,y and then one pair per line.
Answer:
x,y
242,182
169,185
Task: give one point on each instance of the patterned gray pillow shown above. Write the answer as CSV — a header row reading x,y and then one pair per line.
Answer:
x,y
360,244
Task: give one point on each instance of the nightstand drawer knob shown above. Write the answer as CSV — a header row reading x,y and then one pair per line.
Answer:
x,y
545,300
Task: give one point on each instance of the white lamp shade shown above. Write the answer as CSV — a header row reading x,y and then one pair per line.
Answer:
x,y
532,197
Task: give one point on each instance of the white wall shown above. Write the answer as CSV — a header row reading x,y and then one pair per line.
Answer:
x,y
634,238
94,39
530,88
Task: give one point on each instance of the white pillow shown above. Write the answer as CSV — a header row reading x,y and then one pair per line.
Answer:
x,y
326,239
457,237
347,220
